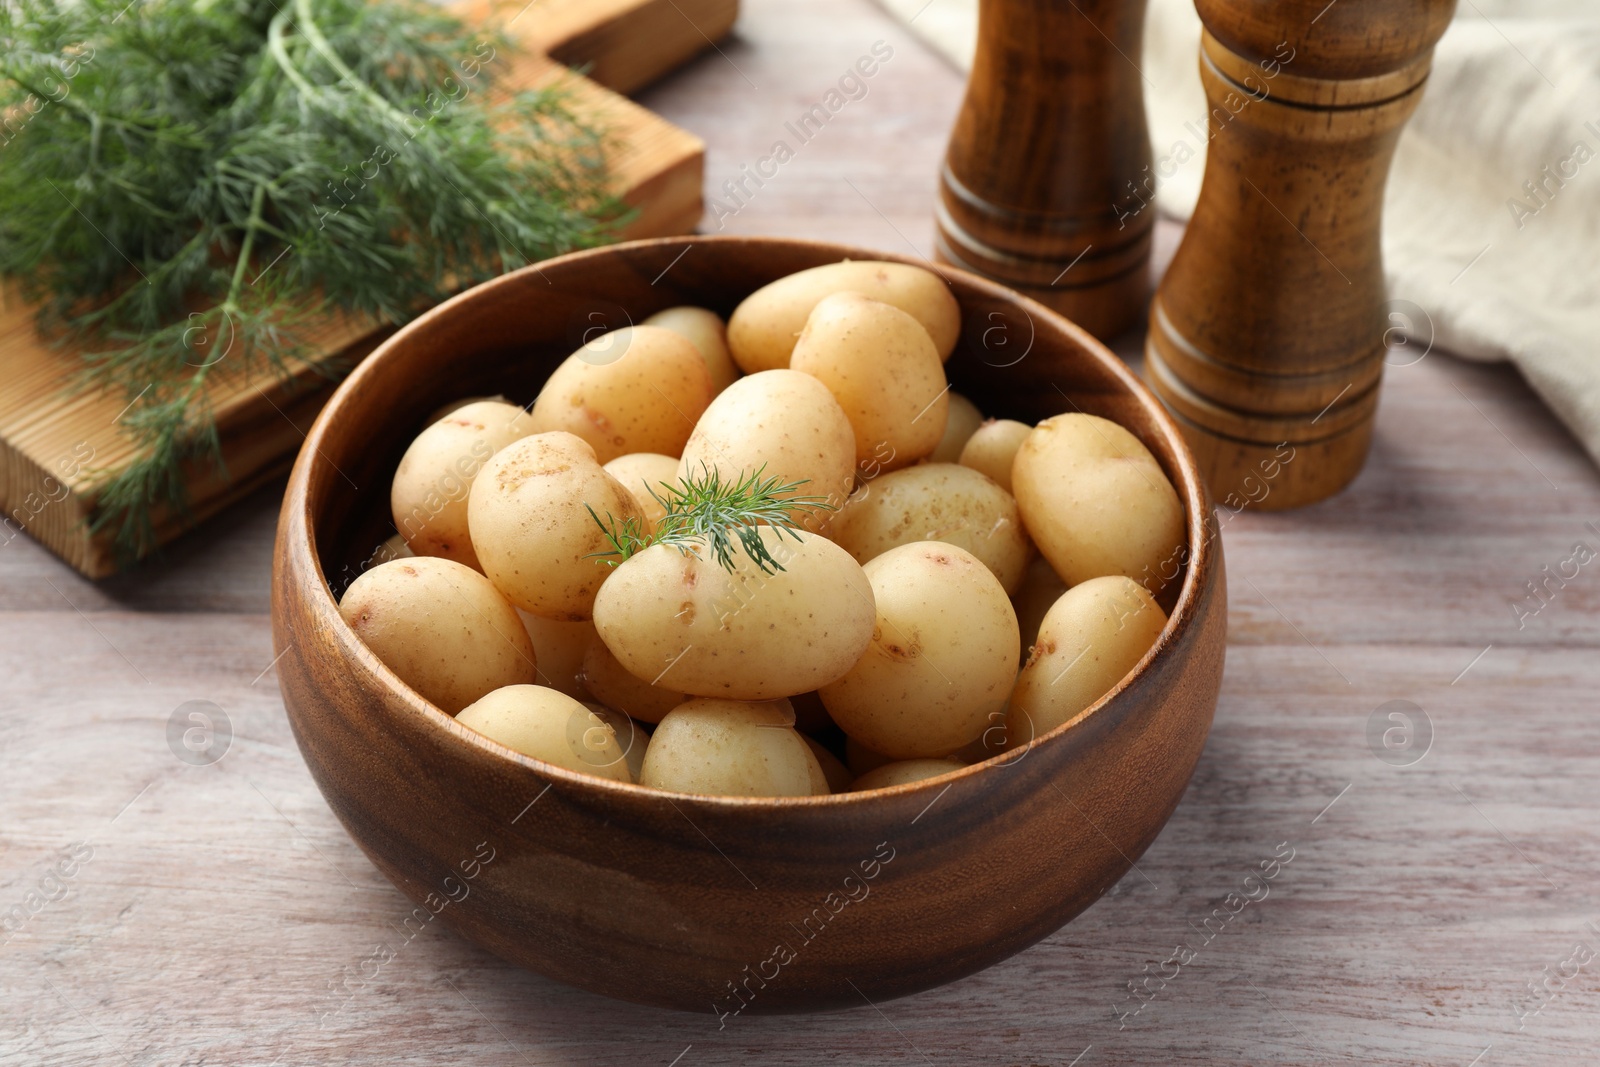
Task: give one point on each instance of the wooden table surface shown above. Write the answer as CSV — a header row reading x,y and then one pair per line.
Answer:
x,y
1438,912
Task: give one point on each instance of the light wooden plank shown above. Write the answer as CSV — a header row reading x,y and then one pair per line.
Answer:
x,y
621,44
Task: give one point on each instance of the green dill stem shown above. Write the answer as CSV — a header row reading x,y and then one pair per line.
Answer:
x,y
257,200
96,125
309,29
280,55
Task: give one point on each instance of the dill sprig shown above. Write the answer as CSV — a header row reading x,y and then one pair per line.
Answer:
x,y
192,184
707,510
627,537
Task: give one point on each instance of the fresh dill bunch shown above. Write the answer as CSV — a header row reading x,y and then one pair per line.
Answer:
x,y
705,509
192,184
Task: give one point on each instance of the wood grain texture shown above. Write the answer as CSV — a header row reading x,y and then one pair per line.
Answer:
x,y
1267,335
623,44
1049,147
225,905
57,443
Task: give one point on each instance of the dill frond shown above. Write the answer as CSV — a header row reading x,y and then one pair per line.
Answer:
x,y
184,185
706,510
626,538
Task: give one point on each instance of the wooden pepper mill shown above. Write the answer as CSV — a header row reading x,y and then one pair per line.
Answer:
x,y
1049,141
1267,333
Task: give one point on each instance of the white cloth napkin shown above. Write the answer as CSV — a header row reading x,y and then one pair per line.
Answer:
x,y
1478,262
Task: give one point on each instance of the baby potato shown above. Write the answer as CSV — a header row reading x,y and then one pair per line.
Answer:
x,y
1090,640
456,405
962,422
631,737
442,627
550,726
762,329
730,748
943,654
836,776
611,684
880,365
936,502
681,620
993,447
429,495
1041,588
904,772
819,777
535,537
633,389
786,425
708,333
559,646
642,473
991,742
1096,501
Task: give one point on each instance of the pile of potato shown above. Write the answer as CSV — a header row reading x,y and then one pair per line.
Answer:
x,y
951,548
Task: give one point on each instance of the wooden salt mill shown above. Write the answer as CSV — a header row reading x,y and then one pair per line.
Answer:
x,y
1267,333
1049,141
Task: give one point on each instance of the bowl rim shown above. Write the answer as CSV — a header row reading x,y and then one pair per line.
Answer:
x,y
1197,549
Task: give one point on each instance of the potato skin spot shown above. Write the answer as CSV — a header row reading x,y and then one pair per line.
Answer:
x,y
905,653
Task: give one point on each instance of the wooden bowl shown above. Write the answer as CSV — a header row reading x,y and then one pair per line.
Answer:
x,y
718,903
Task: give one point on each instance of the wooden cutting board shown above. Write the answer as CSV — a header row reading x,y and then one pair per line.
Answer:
x,y
58,444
